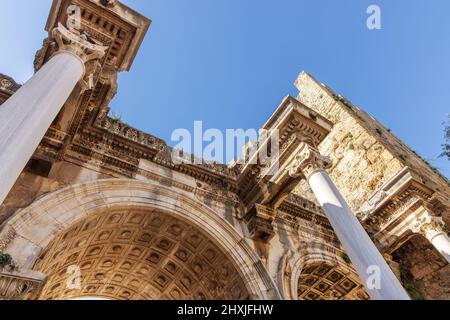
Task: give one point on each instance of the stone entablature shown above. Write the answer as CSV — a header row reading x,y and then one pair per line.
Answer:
x,y
391,214
295,124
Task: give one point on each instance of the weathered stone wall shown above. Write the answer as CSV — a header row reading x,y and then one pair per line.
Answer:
x,y
27,188
424,272
365,154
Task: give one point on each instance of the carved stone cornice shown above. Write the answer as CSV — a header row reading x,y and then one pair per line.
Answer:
x,y
260,223
427,225
394,202
293,124
109,22
298,207
308,161
398,189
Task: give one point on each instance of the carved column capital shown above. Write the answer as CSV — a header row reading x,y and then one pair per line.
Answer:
x,y
428,225
77,44
307,161
82,47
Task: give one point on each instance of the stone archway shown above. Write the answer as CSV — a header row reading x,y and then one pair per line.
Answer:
x,y
127,253
40,234
418,261
317,272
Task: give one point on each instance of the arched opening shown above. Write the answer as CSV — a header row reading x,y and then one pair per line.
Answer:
x,y
317,271
63,229
423,270
323,281
138,255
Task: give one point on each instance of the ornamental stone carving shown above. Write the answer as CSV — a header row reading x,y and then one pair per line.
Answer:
x,y
78,44
20,285
260,223
428,225
83,47
7,237
108,3
307,161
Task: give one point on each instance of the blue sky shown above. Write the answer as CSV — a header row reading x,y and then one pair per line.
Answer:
x,y
229,63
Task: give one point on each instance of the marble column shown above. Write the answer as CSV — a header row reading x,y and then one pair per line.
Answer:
x,y
26,116
374,272
432,228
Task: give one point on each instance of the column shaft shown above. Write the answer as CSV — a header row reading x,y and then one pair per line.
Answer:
x,y
442,244
27,115
360,248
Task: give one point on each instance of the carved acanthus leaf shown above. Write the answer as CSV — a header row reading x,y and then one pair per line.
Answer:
x,y
307,161
428,225
77,44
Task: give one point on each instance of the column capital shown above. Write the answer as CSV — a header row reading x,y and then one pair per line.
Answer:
x,y
427,225
77,43
307,161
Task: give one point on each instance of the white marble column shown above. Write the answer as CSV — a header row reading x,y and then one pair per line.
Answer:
x,y
374,272
26,116
432,228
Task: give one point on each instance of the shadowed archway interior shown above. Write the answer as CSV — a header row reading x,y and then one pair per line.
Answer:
x,y
322,281
140,255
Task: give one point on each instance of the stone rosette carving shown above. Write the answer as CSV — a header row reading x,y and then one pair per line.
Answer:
x,y
307,161
428,225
